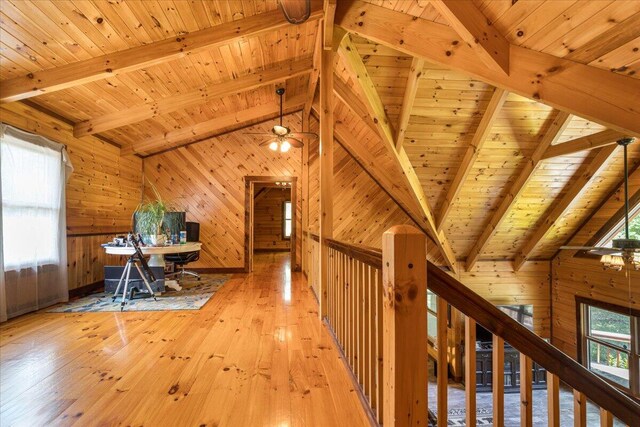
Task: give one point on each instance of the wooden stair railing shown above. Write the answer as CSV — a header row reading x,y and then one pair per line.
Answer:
x,y
363,325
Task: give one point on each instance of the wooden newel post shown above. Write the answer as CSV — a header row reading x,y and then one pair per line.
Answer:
x,y
404,317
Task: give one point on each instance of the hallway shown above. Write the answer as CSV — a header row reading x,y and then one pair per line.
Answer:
x,y
255,354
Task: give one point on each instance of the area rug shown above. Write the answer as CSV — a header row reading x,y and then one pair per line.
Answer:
x,y
193,296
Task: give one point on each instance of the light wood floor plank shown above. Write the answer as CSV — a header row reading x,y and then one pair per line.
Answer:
x,y
255,354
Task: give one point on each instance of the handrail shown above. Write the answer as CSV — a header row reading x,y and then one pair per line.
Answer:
x,y
366,254
522,339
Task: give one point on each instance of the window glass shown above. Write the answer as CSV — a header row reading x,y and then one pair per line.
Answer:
x,y
609,363
634,228
287,219
31,202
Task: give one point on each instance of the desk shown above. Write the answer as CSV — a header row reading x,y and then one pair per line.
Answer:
x,y
156,253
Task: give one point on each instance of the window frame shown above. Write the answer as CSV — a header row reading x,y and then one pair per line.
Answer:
x,y
583,338
285,219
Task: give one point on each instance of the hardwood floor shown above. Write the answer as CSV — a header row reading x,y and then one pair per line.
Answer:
x,y
255,354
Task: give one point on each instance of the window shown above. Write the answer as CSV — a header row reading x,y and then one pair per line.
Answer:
x,y
609,344
286,220
31,203
523,314
617,232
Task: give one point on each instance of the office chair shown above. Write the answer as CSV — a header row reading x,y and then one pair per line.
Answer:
x,y
193,235
180,260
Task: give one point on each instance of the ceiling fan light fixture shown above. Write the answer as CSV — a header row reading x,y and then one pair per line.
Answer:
x,y
280,130
612,262
273,146
285,146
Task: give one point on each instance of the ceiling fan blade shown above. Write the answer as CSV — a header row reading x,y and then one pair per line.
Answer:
x,y
593,249
295,142
303,134
266,142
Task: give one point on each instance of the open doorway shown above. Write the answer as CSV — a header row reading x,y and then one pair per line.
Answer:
x,y
270,217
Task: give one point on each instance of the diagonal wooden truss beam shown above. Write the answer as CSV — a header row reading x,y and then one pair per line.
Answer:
x,y
149,110
479,33
577,188
559,123
417,65
212,127
490,114
315,74
375,108
596,94
589,142
112,64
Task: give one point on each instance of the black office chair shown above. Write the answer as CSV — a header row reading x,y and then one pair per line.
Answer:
x,y
193,235
180,260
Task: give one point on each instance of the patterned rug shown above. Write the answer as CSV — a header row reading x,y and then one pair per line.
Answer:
x,y
193,296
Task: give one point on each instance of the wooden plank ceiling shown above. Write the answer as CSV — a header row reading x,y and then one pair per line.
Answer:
x,y
500,167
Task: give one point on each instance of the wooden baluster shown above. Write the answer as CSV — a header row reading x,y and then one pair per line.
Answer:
x,y
497,381
331,302
379,343
405,326
443,365
579,409
368,389
347,289
553,399
356,319
526,391
352,314
362,352
470,369
606,419
343,314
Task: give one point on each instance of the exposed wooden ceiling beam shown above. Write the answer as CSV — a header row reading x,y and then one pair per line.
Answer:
x,y
375,108
471,154
589,92
561,206
329,7
315,73
559,123
185,135
149,110
479,33
112,64
410,90
589,142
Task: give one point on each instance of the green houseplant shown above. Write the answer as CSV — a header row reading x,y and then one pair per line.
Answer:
x,y
149,216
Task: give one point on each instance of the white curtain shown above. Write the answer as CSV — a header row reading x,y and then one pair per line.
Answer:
x,y
34,171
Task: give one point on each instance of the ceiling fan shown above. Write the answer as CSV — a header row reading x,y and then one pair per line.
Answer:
x,y
281,138
625,250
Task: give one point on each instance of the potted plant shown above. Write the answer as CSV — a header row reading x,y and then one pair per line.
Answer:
x,y
149,216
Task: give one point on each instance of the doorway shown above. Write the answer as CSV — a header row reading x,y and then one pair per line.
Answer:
x,y
270,217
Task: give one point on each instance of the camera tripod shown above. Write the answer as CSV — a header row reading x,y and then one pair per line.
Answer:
x,y
137,259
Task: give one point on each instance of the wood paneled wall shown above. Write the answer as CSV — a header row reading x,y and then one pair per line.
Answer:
x,y
206,180
268,217
102,192
496,282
